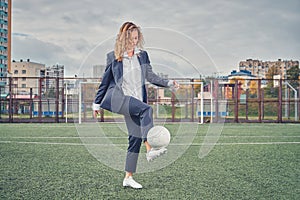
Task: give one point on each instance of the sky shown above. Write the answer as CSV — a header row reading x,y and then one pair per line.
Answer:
x,y
183,38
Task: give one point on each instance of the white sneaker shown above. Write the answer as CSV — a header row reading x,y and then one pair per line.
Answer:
x,y
154,153
129,182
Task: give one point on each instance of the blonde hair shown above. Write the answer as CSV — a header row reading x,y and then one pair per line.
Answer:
x,y
124,40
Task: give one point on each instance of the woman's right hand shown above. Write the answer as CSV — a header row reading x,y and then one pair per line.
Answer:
x,y
96,110
96,113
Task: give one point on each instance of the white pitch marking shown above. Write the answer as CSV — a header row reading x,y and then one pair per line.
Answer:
x,y
122,137
174,144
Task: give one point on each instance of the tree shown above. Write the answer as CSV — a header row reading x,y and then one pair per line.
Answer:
x,y
270,90
151,93
292,76
197,87
274,70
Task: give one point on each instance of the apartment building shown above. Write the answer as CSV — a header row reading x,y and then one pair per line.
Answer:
x,y
24,75
53,72
5,39
260,68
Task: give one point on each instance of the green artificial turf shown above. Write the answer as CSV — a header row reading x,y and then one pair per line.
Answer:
x,y
250,161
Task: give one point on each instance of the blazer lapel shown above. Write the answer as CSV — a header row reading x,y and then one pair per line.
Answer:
x,y
143,68
117,70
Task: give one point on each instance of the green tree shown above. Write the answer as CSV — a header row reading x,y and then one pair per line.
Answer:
x,y
274,70
270,91
151,93
292,75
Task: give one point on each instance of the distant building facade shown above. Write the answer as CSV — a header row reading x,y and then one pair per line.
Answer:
x,y
24,75
260,68
53,72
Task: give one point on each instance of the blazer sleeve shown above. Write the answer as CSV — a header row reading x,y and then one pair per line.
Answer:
x,y
107,77
151,76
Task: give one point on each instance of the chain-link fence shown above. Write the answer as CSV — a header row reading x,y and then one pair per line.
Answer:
x,y
57,100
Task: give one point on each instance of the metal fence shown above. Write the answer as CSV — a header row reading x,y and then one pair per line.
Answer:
x,y
57,100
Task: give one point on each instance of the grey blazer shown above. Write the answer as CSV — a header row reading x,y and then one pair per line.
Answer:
x,y
110,95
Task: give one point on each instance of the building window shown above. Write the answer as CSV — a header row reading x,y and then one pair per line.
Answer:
x,y
16,72
23,71
23,79
23,85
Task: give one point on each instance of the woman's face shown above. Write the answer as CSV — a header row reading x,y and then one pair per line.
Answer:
x,y
134,37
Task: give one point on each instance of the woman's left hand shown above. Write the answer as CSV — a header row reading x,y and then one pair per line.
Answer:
x,y
176,84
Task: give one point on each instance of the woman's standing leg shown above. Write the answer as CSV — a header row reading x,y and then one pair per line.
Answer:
x,y
134,143
138,118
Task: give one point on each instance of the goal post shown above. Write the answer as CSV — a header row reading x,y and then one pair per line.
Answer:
x,y
86,95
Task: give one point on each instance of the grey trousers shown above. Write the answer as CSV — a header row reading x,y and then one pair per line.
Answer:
x,y
139,119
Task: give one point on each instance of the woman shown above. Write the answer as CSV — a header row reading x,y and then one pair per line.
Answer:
x,y
123,91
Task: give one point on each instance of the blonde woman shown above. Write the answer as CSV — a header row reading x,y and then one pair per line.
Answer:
x,y
122,90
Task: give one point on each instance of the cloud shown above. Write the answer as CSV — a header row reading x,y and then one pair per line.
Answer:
x,y
27,47
24,44
229,31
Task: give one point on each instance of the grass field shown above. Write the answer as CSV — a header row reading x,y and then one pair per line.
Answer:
x,y
250,161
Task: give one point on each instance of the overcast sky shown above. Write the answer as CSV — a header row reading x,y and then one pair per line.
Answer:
x,y
188,37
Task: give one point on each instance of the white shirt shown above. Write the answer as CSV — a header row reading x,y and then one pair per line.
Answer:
x,y
132,76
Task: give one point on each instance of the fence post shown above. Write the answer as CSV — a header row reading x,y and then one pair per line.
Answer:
x,y
30,104
192,95
236,101
262,104
62,99
10,105
288,102
186,104
216,97
57,100
259,100
40,100
279,115
247,97
173,106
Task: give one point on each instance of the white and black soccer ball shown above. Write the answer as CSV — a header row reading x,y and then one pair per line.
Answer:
x,y
158,136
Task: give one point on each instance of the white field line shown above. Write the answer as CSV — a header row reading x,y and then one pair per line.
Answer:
x,y
115,125
173,144
244,143
122,137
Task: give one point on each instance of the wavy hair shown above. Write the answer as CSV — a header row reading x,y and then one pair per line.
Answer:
x,y
124,39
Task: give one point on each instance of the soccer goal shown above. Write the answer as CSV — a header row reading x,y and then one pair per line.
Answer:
x,y
186,103
86,93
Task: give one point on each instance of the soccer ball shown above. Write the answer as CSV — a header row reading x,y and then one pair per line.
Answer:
x,y
158,136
